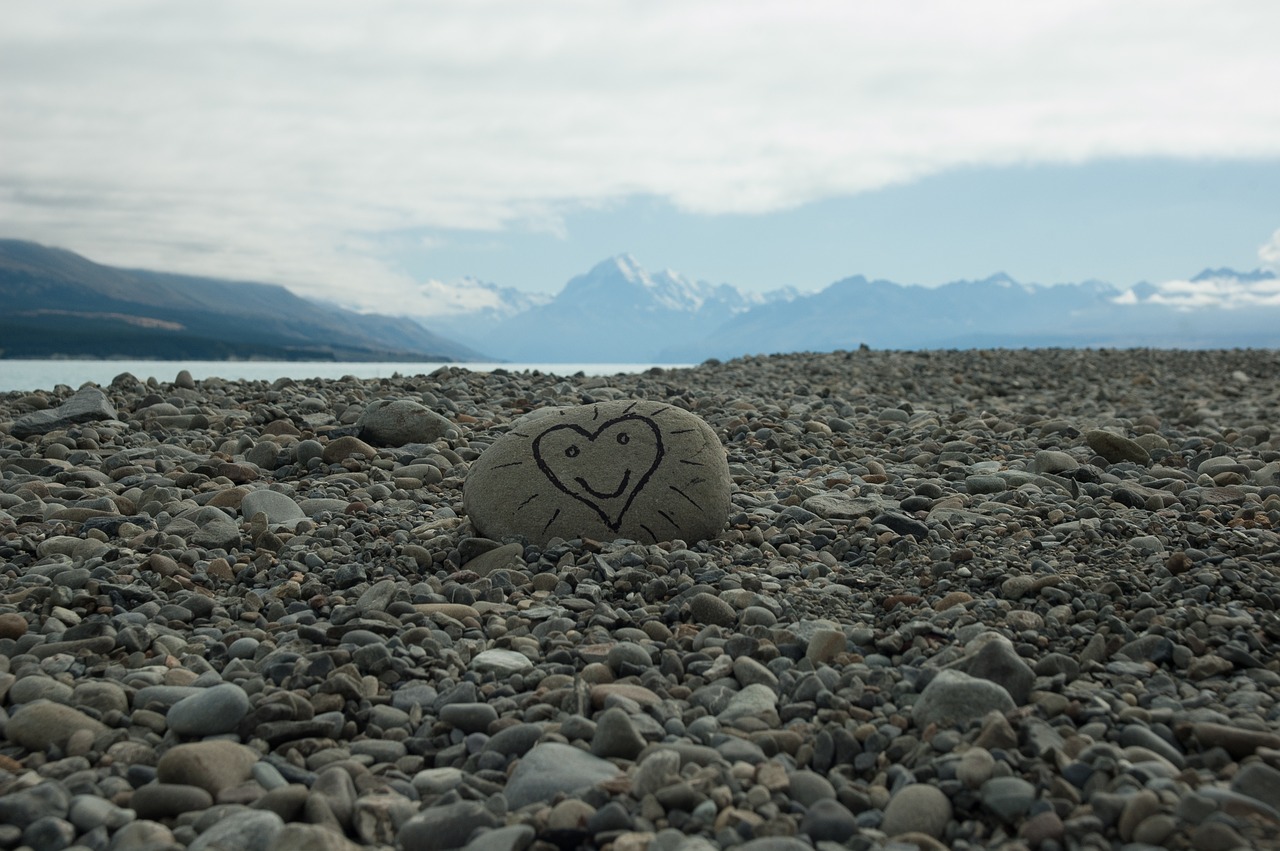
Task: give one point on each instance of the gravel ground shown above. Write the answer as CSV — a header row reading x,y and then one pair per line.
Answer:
x,y
980,599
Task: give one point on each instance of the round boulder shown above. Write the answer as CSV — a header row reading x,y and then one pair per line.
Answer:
x,y
639,470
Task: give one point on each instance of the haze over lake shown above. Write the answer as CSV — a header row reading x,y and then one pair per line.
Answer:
x,y
46,374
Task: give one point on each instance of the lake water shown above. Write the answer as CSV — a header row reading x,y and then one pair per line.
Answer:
x,y
46,374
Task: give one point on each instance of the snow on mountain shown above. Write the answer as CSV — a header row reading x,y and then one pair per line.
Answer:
x,y
1212,288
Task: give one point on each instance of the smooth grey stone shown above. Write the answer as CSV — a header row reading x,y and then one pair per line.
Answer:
x,y
505,557
709,609
252,830
995,659
401,421
49,833
640,470
311,837
515,837
1260,782
809,787
88,404
616,736
755,700
504,663
1008,797
27,805
89,811
1116,448
445,827
33,688
514,740
37,725
168,800
919,808
551,768
954,698
217,533
656,769
469,717
628,653
828,821
1143,737
210,712
162,696
843,506
279,507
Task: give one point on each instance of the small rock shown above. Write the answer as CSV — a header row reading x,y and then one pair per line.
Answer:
x,y
918,808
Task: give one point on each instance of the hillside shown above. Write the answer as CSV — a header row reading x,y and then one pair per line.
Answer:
x,y
60,304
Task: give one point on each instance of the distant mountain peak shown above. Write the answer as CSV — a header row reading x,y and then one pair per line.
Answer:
x,y
1229,274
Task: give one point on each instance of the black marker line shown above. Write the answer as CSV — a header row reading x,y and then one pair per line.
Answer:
x,y
509,464
692,463
662,411
527,501
552,520
628,408
518,433
696,481
650,531
686,496
683,431
595,413
668,518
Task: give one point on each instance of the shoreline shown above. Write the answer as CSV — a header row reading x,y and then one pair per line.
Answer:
x,y
971,599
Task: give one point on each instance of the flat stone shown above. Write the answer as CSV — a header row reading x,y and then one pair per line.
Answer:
x,y
954,698
401,421
551,768
88,404
501,662
639,470
279,507
445,827
1116,448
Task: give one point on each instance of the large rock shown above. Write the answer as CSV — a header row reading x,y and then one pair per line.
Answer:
x,y
399,422
88,404
953,698
42,723
640,470
553,767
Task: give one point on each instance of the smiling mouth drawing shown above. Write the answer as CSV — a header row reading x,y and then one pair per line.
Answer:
x,y
559,453
626,477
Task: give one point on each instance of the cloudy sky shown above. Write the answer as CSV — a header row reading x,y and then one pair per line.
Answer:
x,y
350,150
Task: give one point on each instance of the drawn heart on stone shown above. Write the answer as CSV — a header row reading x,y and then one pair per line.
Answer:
x,y
603,469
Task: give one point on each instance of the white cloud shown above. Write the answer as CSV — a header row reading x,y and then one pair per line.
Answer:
x,y
1219,291
1269,252
276,141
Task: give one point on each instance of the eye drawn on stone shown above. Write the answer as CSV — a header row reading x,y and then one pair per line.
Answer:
x,y
604,469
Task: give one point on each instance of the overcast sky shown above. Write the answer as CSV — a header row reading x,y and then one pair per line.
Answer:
x,y
351,149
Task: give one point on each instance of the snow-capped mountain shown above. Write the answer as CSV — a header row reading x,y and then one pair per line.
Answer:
x,y
620,312
617,312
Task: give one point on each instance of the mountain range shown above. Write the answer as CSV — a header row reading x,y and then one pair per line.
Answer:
x,y
619,312
59,304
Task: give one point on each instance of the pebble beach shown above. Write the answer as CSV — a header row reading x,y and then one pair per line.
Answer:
x,y
964,600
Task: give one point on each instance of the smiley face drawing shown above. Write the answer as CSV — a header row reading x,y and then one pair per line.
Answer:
x,y
640,470
601,468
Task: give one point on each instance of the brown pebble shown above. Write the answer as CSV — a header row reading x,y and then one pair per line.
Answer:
x,y
12,625
955,598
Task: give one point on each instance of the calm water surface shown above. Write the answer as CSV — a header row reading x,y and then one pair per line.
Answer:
x,y
46,374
